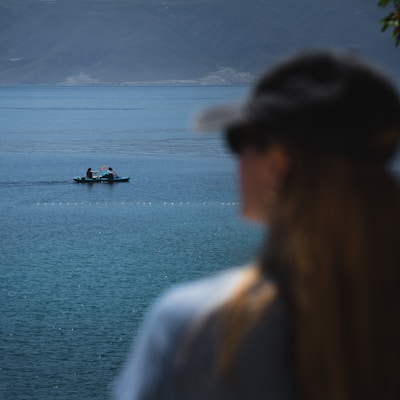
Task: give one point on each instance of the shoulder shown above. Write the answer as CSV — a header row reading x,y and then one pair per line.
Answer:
x,y
189,300
149,370
183,304
180,305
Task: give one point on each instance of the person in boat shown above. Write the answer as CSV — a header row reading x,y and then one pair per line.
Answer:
x,y
90,174
316,316
110,174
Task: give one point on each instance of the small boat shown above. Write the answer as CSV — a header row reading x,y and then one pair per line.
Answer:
x,y
101,179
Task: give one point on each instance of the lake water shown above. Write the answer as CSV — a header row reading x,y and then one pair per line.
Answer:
x,y
80,264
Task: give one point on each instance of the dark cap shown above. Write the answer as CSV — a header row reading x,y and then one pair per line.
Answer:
x,y
316,100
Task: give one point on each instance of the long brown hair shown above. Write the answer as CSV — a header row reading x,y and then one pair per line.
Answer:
x,y
336,231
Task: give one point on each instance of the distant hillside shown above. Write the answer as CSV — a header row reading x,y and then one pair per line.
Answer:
x,y
209,41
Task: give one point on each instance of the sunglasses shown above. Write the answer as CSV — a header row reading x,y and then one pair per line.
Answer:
x,y
239,139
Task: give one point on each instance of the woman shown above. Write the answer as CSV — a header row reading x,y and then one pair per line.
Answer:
x,y
90,173
317,316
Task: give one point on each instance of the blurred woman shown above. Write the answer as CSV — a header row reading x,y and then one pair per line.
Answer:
x,y
90,173
317,314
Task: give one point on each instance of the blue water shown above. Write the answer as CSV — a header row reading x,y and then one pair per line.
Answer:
x,y
79,265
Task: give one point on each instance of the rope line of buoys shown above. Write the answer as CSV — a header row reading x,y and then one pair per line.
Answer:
x,y
137,203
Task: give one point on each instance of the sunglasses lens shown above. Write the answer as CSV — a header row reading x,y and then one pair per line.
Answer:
x,y
235,140
238,139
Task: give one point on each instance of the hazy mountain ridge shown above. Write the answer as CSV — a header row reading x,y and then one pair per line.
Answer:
x,y
206,42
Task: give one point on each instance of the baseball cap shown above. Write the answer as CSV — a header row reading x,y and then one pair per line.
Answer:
x,y
319,100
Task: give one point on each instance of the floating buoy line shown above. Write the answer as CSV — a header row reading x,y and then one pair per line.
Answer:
x,y
137,203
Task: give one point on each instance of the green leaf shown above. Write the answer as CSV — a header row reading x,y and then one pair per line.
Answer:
x,y
383,3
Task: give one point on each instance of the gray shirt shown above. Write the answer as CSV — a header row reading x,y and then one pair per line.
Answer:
x,y
165,364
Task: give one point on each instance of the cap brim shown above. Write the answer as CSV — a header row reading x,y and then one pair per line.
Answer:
x,y
220,117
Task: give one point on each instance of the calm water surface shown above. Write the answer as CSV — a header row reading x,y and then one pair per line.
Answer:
x,y
80,264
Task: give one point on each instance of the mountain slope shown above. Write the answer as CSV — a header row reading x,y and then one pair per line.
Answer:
x,y
117,41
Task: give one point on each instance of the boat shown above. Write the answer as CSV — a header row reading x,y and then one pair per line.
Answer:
x,y
101,179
